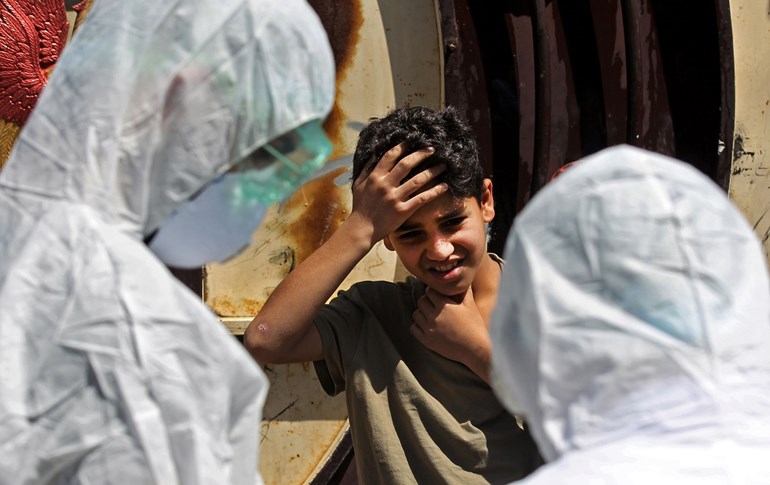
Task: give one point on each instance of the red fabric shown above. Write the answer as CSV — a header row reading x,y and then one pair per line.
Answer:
x,y
32,36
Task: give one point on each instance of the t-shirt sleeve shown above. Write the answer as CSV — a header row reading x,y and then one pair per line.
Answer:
x,y
339,324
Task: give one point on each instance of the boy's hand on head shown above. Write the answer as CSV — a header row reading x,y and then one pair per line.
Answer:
x,y
385,200
454,329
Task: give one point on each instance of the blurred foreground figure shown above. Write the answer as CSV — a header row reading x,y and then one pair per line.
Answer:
x,y
632,326
181,120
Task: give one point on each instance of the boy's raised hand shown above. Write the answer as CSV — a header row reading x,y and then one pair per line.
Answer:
x,y
454,329
385,200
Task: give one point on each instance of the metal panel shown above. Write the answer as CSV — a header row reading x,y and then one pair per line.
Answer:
x,y
750,179
652,73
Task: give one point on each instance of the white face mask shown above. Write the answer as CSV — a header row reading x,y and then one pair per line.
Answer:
x,y
208,228
218,223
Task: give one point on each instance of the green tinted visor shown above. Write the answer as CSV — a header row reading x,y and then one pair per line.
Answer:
x,y
275,170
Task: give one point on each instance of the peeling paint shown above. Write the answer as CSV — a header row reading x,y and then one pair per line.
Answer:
x,y
738,150
226,307
740,170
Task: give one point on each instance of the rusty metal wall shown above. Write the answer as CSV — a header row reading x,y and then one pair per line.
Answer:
x,y
547,82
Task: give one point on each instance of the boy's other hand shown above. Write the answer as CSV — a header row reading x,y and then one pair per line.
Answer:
x,y
385,200
454,329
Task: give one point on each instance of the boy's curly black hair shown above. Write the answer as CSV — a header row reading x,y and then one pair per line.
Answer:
x,y
420,127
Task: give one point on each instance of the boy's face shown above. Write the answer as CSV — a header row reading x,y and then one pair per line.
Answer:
x,y
444,242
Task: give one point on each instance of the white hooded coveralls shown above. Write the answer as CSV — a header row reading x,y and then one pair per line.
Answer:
x,y
632,327
111,371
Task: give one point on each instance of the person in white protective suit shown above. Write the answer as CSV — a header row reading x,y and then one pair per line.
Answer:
x,y
182,119
632,327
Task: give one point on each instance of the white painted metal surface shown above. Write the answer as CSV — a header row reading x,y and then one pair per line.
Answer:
x,y
750,178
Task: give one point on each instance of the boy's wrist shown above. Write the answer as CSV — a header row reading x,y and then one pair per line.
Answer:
x,y
479,358
360,231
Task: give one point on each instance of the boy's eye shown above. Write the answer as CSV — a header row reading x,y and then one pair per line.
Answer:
x,y
453,222
409,235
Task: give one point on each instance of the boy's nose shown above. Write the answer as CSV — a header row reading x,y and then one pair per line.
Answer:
x,y
439,249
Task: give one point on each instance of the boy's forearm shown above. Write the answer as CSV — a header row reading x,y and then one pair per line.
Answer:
x,y
479,361
278,333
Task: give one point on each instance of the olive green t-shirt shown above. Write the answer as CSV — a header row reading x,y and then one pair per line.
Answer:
x,y
415,416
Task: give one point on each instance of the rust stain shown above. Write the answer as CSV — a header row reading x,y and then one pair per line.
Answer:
x,y
342,21
333,126
225,307
8,133
321,209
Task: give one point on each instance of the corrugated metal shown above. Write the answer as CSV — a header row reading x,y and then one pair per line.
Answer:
x,y
564,78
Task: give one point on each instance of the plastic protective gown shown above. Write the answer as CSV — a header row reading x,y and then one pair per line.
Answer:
x,y
632,327
111,371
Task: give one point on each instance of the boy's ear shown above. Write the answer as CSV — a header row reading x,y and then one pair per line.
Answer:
x,y
487,202
388,244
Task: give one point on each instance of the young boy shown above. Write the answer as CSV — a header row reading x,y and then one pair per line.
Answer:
x,y
412,357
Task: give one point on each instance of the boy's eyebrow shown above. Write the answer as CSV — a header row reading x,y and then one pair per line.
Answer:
x,y
457,211
407,226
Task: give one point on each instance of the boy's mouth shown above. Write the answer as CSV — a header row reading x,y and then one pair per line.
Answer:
x,y
447,267
448,270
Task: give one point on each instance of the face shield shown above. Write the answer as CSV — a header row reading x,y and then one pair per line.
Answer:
x,y
218,222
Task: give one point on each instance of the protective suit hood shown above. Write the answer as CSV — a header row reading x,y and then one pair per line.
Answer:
x,y
113,372
157,105
631,329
